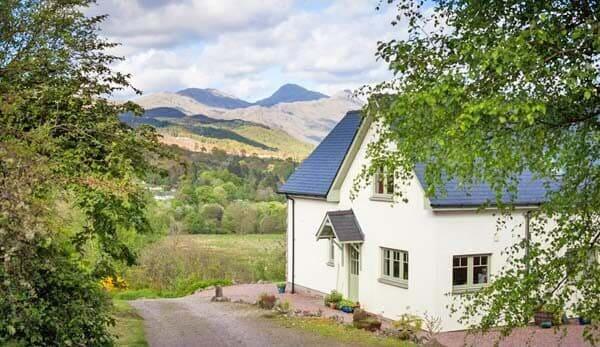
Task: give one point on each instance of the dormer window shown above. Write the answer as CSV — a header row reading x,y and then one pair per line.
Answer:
x,y
384,185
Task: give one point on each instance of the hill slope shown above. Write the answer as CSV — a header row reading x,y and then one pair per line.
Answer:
x,y
201,133
214,98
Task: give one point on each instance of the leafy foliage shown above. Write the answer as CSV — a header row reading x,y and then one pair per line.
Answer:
x,y
62,144
485,91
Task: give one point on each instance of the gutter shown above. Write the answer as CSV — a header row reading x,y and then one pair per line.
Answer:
x,y
293,225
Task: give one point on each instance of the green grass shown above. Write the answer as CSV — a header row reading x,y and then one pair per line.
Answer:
x,y
179,265
129,326
340,332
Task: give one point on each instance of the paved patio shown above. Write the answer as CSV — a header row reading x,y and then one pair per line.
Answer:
x,y
531,336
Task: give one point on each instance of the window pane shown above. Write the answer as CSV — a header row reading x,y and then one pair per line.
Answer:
x,y
480,274
396,269
459,276
386,268
396,255
380,186
390,184
456,261
405,274
476,260
463,261
484,260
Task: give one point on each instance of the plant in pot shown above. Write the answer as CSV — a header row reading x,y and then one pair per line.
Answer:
x,y
332,299
548,313
347,305
281,287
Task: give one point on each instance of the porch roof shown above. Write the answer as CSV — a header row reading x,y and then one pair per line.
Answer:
x,y
342,225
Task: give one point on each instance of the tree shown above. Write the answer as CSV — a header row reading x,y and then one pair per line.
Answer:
x,y
482,92
62,144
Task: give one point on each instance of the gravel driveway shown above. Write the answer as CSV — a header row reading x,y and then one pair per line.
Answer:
x,y
195,321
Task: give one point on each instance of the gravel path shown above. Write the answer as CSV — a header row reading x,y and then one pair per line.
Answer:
x,y
195,321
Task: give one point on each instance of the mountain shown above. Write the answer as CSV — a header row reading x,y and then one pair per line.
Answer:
x,y
214,98
183,103
290,93
306,121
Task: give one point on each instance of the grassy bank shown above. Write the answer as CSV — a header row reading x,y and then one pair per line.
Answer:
x,y
341,332
129,326
179,265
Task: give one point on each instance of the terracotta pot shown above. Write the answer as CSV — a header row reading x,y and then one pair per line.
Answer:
x,y
543,316
333,305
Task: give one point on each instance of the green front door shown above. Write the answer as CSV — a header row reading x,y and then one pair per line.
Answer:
x,y
353,269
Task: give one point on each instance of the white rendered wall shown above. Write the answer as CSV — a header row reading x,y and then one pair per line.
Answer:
x,y
430,238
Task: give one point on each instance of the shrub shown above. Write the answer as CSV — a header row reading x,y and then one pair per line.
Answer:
x,y
50,300
212,211
283,306
267,301
408,327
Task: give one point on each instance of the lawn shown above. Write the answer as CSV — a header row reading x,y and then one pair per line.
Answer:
x,y
129,326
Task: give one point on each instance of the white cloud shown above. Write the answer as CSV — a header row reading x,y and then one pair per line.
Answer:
x,y
248,48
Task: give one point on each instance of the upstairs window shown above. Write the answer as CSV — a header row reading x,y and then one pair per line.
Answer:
x,y
470,272
384,184
394,269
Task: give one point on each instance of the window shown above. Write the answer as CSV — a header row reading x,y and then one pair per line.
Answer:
x,y
384,184
331,252
394,268
470,272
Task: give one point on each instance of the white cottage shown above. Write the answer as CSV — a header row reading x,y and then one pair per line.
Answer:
x,y
398,257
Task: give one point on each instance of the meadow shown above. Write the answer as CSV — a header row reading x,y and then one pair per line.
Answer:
x,y
178,265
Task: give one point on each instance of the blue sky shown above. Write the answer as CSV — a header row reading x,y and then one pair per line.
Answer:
x,y
248,48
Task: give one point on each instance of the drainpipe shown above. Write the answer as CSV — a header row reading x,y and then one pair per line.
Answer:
x,y
293,225
527,240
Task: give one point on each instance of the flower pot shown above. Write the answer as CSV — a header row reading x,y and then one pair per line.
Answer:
x,y
544,316
347,309
333,305
546,324
584,321
281,289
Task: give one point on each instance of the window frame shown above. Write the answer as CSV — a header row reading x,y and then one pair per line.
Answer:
x,y
390,279
386,195
470,286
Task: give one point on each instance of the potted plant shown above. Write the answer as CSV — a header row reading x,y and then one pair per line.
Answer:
x,y
548,313
347,305
332,299
281,287
584,320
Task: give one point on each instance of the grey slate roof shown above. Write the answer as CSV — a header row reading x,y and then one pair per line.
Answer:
x,y
530,191
316,174
346,226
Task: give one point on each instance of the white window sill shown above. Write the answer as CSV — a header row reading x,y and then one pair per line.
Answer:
x,y
386,198
393,282
330,263
467,289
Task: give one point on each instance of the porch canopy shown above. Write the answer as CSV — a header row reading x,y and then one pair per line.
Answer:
x,y
341,225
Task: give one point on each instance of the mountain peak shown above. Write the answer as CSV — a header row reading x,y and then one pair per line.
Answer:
x,y
290,92
214,97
